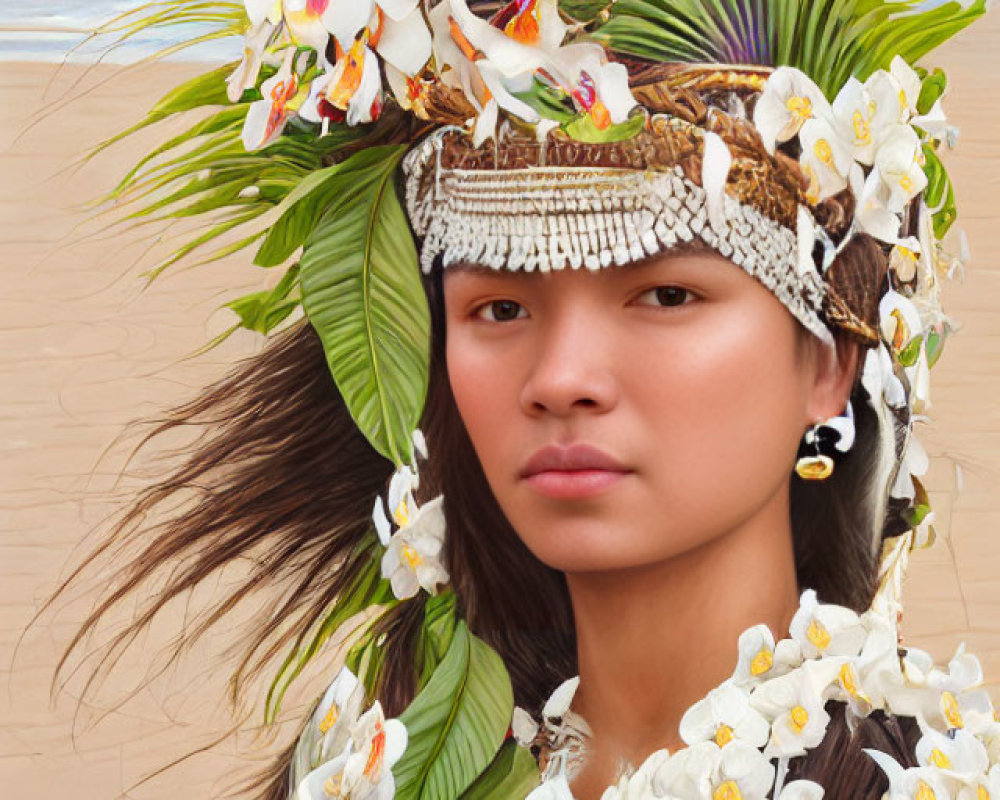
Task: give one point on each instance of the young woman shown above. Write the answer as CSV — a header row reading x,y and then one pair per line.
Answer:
x,y
641,435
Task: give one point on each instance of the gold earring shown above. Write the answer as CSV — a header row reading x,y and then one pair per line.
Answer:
x,y
816,467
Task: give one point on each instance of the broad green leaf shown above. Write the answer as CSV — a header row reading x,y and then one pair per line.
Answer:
x,y
513,774
456,723
436,633
583,129
368,589
362,292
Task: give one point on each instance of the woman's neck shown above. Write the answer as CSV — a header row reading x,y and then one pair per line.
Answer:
x,y
653,640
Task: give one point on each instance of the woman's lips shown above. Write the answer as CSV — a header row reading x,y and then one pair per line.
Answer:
x,y
572,472
574,484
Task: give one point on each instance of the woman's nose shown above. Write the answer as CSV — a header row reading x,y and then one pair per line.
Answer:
x,y
571,368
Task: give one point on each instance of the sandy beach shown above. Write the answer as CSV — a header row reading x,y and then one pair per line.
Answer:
x,y
85,348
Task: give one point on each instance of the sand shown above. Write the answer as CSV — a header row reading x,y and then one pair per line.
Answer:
x,y
83,351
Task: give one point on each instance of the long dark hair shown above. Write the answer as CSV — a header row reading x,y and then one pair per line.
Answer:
x,y
281,480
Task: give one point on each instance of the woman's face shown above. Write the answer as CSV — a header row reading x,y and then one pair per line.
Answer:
x,y
626,415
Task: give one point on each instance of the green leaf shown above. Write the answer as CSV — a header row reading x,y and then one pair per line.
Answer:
x,y
436,633
513,773
583,10
934,346
300,211
368,589
457,723
583,129
551,103
265,310
939,193
931,90
362,292
909,354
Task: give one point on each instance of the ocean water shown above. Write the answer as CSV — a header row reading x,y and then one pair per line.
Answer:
x,y
57,30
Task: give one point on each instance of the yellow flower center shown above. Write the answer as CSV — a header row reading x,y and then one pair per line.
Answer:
x,y
862,130
849,679
824,152
727,791
812,193
332,786
723,735
939,759
402,514
799,717
761,662
906,184
924,792
818,635
800,107
902,100
982,794
329,720
949,706
411,557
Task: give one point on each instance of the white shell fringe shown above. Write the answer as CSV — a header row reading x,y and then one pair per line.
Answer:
x,y
548,218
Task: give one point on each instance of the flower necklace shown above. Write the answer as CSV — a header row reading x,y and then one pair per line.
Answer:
x,y
741,736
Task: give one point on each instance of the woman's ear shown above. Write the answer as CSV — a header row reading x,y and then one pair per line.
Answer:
x,y
834,371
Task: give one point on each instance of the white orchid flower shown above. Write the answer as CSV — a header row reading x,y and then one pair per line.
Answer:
x,y
854,114
982,787
826,159
880,380
915,783
861,681
802,790
707,770
899,321
259,11
825,628
326,781
935,123
959,755
794,703
597,86
899,160
377,743
724,715
909,83
950,698
790,99
304,19
245,75
329,728
412,559
761,659
267,117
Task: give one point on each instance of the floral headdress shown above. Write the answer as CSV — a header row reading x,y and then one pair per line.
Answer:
x,y
359,140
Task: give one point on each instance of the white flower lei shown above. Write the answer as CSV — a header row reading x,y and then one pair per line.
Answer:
x,y
742,734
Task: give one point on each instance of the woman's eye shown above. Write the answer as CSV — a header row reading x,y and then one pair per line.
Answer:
x,y
666,296
500,311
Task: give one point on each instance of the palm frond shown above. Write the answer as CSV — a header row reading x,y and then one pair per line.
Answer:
x,y
829,40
